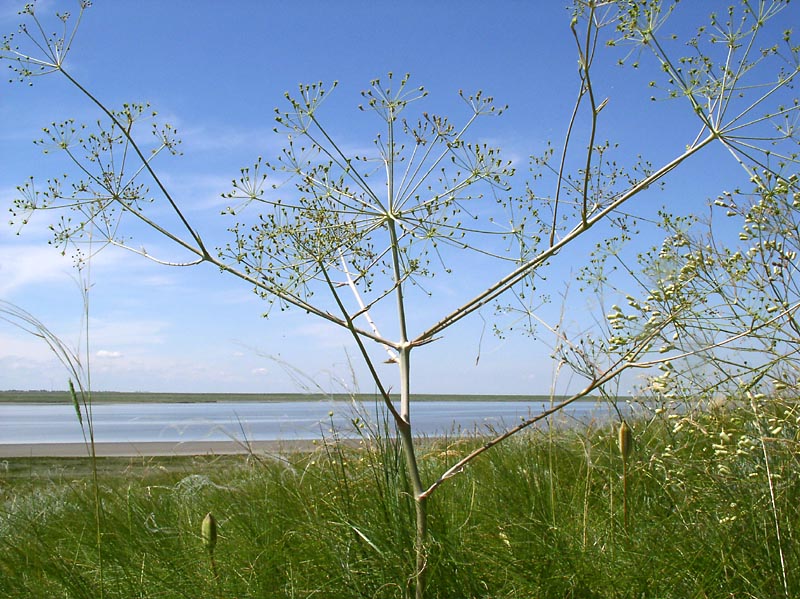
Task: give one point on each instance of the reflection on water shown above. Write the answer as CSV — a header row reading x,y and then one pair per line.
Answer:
x,y
223,421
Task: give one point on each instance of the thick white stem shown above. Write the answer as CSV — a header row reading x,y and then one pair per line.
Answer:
x,y
393,357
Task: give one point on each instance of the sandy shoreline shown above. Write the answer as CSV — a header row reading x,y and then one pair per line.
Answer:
x,y
72,450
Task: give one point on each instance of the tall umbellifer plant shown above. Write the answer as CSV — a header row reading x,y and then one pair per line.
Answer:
x,y
351,238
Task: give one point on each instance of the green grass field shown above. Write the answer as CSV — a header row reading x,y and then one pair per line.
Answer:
x,y
712,509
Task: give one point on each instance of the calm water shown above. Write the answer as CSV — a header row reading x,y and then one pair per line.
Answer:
x,y
257,421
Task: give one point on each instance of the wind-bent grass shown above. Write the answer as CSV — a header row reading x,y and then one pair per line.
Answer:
x,y
332,523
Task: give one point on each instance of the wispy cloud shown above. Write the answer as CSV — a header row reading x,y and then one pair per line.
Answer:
x,y
218,138
19,347
198,191
24,265
135,335
323,335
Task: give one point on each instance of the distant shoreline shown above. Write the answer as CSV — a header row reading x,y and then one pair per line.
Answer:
x,y
151,449
111,397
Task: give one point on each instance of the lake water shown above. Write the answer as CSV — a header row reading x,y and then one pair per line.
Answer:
x,y
262,421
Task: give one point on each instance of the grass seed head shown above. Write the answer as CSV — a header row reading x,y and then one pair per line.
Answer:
x,y
75,403
625,440
208,531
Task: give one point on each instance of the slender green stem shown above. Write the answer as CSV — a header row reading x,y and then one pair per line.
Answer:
x,y
86,394
625,492
407,441
587,55
196,236
773,504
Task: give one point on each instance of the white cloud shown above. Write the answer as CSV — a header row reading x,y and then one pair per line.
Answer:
x,y
20,346
141,333
22,265
33,262
104,353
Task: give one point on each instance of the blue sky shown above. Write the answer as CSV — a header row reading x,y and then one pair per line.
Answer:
x,y
216,71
